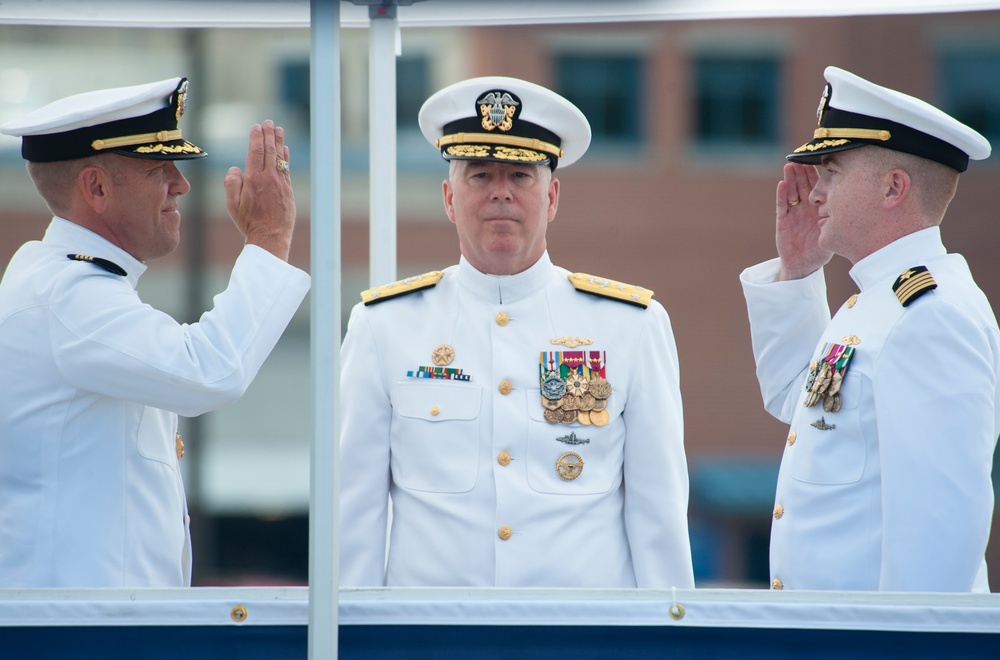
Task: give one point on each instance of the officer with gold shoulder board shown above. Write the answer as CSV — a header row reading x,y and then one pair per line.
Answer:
x,y
894,403
505,404
93,381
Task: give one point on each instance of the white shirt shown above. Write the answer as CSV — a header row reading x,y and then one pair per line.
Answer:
x,y
893,492
464,460
93,380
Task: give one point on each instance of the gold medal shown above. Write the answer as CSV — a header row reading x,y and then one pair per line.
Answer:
x,y
569,416
600,404
551,404
599,417
570,402
583,417
587,401
600,388
838,378
553,416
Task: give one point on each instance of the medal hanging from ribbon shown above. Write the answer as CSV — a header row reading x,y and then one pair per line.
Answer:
x,y
826,376
574,387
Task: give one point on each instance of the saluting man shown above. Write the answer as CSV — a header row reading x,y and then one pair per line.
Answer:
x,y
526,421
93,379
894,402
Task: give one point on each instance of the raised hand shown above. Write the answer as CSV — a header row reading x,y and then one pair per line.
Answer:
x,y
796,224
260,199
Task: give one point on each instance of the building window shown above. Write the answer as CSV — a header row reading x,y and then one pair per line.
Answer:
x,y
294,81
970,90
412,89
608,90
736,101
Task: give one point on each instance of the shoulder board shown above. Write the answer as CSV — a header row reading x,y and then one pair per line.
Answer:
x,y
600,286
401,288
109,266
913,283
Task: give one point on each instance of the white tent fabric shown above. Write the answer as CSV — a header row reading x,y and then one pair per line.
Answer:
x,y
426,13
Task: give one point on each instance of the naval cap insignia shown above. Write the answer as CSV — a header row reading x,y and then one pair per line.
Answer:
x,y
822,105
498,108
182,93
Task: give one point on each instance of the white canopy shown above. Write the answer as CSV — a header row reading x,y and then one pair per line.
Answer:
x,y
428,13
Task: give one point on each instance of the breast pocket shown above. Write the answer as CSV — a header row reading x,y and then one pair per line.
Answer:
x,y
836,455
157,436
434,441
574,459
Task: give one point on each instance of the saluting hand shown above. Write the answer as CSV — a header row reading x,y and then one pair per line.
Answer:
x,y
260,199
796,225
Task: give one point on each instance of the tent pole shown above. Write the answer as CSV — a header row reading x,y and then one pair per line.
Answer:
x,y
382,143
325,324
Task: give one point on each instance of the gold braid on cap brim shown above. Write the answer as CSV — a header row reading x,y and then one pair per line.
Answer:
x,y
835,137
131,140
857,133
505,140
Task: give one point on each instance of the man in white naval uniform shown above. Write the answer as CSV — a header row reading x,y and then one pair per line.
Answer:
x,y
894,402
528,431
93,379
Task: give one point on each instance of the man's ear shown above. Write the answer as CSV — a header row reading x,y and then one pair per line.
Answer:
x,y
897,188
449,200
553,198
94,184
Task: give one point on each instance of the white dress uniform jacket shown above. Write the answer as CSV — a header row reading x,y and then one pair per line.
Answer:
x,y
893,492
93,380
471,466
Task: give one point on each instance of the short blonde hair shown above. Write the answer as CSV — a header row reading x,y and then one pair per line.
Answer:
x,y
934,184
56,181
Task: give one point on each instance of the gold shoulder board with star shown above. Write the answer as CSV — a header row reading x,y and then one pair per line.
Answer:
x,y
913,283
401,288
601,286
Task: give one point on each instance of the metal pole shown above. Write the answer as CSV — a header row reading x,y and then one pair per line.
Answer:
x,y
325,325
382,148
196,237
